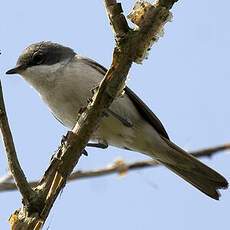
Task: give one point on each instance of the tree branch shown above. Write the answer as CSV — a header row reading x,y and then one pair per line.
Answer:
x,y
117,19
14,165
6,178
118,167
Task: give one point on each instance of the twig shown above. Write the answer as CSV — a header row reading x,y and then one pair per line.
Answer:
x,y
116,168
14,165
117,19
6,178
208,152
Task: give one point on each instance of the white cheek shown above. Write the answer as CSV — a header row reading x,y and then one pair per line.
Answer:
x,y
43,77
43,69
42,74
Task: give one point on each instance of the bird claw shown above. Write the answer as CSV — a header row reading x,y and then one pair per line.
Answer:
x,y
100,144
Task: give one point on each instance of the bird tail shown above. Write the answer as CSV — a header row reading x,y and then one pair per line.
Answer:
x,y
192,170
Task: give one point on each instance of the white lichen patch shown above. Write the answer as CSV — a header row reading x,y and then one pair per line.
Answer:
x,y
138,16
138,11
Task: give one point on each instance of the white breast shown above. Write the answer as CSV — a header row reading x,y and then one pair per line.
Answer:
x,y
65,88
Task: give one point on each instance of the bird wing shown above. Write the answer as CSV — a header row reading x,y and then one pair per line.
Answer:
x,y
146,113
141,107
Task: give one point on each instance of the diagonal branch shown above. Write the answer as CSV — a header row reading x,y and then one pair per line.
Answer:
x,y
14,165
119,167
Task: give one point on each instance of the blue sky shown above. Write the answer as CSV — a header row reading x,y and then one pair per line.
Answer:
x,y
185,81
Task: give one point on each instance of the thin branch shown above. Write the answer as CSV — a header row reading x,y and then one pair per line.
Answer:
x,y
167,3
208,152
119,167
14,165
6,178
117,19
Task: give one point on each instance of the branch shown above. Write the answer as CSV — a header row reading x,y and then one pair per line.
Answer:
x,y
6,178
117,19
118,167
131,46
14,165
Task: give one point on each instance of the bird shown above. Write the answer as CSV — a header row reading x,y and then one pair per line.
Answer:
x,y
65,80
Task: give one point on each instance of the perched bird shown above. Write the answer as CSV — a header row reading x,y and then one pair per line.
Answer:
x,y
65,81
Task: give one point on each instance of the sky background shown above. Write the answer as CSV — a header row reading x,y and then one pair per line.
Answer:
x,y
185,81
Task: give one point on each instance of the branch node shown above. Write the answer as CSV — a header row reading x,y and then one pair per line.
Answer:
x,y
121,167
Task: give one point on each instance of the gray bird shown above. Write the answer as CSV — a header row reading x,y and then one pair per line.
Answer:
x,y
65,81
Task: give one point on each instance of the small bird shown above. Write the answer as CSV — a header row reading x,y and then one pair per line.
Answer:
x,y
65,81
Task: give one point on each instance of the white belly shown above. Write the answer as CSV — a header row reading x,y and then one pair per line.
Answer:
x,y
67,90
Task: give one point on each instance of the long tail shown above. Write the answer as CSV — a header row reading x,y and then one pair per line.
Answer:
x,y
192,170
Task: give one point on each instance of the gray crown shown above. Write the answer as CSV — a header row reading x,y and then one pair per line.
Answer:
x,y
44,53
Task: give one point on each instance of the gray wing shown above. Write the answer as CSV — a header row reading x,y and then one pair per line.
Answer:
x,y
141,107
146,113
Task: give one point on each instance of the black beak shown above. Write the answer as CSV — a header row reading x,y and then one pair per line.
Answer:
x,y
15,70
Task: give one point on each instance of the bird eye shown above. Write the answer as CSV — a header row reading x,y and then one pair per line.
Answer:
x,y
37,59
